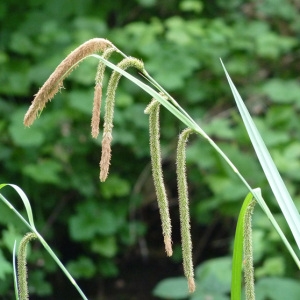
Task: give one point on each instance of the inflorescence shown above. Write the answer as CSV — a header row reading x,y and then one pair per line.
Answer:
x,y
55,83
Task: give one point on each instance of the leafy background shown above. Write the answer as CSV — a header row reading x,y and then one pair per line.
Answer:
x,y
108,235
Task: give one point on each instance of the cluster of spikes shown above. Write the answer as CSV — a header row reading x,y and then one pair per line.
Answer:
x,y
55,83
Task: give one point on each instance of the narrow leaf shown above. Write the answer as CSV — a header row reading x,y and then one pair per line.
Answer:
x,y
277,185
15,272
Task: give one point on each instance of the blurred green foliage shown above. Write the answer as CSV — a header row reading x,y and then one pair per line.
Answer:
x,y
56,162
213,279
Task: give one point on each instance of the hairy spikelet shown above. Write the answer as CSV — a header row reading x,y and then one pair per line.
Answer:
x,y
105,156
157,174
22,267
55,81
191,284
95,123
96,110
102,66
109,112
186,240
248,252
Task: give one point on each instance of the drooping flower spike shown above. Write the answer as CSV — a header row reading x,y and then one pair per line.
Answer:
x,y
22,266
248,252
55,81
109,112
95,123
186,241
157,174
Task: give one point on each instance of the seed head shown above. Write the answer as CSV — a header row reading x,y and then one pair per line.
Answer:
x,y
55,81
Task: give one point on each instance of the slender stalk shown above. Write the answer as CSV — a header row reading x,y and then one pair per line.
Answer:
x,y
15,272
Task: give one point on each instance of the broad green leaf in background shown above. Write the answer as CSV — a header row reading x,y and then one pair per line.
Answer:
x,y
105,245
5,266
39,284
83,267
109,189
214,275
276,288
172,288
22,136
90,220
81,100
45,171
212,282
282,91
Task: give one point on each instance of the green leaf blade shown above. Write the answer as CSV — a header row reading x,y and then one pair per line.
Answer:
x,y
276,183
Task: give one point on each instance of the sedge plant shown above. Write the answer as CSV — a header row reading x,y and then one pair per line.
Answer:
x,y
101,50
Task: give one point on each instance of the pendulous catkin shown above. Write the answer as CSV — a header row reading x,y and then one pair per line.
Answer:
x,y
22,266
55,81
248,252
95,123
153,110
109,112
184,214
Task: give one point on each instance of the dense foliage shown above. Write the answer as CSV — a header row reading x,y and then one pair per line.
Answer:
x,y
94,227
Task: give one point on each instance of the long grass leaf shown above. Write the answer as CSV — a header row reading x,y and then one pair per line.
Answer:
x,y
277,185
25,202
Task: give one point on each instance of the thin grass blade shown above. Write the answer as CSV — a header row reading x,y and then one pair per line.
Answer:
x,y
15,272
25,201
277,185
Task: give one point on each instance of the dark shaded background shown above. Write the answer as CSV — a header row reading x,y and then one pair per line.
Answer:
x,y
109,234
